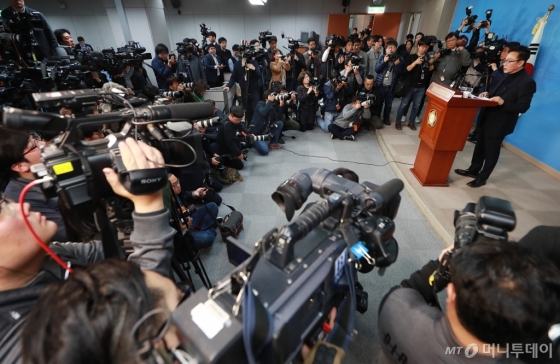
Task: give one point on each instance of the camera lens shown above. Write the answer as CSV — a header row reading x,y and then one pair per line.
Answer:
x,y
292,193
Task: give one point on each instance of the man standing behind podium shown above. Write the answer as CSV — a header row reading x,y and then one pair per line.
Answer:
x,y
513,94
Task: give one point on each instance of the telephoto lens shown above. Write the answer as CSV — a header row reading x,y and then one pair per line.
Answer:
x,y
173,94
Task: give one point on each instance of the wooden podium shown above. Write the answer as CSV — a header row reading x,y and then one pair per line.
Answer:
x,y
446,125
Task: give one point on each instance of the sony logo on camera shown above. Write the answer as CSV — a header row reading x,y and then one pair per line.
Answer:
x,y
150,180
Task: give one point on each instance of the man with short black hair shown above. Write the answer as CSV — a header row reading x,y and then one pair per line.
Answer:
x,y
388,72
374,121
494,293
374,54
214,67
211,41
312,59
83,46
162,66
235,56
225,56
247,74
64,37
267,119
513,94
227,138
446,63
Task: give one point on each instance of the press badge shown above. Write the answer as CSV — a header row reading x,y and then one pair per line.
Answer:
x,y
442,78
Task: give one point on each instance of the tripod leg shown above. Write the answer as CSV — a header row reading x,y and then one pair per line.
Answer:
x,y
197,264
176,266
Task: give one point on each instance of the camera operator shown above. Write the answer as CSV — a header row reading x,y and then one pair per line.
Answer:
x,y
417,67
473,77
42,32
363,65
374,121
279,66
342,127
228,141
312,58
190,64
513,94
495,290
26,271
19,151
214,67
417,38
184,95
297,63
267,119
247,74
449,61
389,69
308,98
354,79
333,57
334,99
202,222
162,66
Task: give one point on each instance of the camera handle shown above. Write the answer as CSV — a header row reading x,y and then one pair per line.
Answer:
x,y
139,181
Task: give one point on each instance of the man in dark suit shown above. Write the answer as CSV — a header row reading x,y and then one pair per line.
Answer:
x,y
513,94
214,67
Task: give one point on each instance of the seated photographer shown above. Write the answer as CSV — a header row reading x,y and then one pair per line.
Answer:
x,y
354,79
499,294
19,150
199,89
134,80
179,88
75,320
374,121
266,119
342,127
388,68
333,99
308,98
26,270
228,142
279,67
202,221
42,33
287,109
162,66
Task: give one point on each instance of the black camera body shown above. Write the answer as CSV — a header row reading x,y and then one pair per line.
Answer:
x,y
264,36
356,59
190,46
335,40
471,19
393,57
366,98
288,284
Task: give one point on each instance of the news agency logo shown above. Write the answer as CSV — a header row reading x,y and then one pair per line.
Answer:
x,y
470,351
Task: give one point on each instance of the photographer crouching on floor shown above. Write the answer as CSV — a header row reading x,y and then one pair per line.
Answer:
x,y
228,142
343,127
25,270
266,119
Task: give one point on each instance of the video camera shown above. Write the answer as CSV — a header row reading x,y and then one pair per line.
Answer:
x,y
204,30
115,61
293,44
492,51
341,78
188,46
356,59
287,285
264,36
366,98
334,40
75,166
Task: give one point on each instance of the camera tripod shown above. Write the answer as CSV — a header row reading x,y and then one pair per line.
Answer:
x,y
186,68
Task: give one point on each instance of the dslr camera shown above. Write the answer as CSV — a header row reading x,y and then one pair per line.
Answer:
x,y
356,60
334,40
366,98
471,19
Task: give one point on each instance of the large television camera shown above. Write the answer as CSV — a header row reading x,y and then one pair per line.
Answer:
x,y
188,46
264,36
333,40
75,166
115,61
280,295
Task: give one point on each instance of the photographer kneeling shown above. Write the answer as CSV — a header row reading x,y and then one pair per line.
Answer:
x,y
25,271
342,127
500,294
228,142
267,119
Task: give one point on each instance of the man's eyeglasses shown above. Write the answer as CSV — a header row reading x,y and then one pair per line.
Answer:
x,y
510,60
6,209
36,140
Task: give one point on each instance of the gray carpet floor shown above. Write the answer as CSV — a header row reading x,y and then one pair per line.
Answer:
x,y
418,243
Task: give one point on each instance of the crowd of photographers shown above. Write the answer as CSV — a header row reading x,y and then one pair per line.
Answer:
x,y
498,293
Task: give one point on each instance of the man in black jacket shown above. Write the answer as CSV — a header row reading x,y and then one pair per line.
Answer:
x,y
246,73
228,141
25,270
496,289
45,38
162,66
513,94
